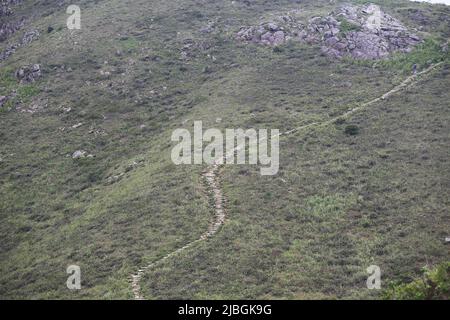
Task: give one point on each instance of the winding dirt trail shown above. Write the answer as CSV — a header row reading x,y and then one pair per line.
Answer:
x,y
211,177
212,180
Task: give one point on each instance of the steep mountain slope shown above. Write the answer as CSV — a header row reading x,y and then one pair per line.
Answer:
x,y
116,90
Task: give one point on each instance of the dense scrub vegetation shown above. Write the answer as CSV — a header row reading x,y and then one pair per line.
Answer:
x,y
367,190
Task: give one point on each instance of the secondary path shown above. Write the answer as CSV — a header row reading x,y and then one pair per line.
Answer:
x,y
212,181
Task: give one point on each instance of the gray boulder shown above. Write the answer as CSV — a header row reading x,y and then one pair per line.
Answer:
x,y
28,74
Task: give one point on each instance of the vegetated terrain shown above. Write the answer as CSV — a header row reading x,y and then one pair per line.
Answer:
x,y
370,190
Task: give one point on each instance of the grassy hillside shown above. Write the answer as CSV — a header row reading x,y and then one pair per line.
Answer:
x,y
138,70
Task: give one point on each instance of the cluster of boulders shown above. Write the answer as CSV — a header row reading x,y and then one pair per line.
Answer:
x,y
364,32
5,7
8,28
5,10
372,34
266,33
27,38
28,74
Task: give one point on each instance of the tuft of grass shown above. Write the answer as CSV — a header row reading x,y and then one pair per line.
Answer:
x,y
347,26
129,44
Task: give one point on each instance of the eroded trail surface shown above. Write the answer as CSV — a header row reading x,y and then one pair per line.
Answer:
x,y
212,181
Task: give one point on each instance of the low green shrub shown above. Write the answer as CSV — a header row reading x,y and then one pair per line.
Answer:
x,y
434,285
351,130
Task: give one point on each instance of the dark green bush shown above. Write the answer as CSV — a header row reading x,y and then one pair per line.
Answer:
x,y
278,49
347,26
351,130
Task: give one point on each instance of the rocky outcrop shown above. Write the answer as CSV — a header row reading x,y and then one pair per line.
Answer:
x,y
10,27
5,7
269,33
370,34
362,32
28,74
5,10
27,38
